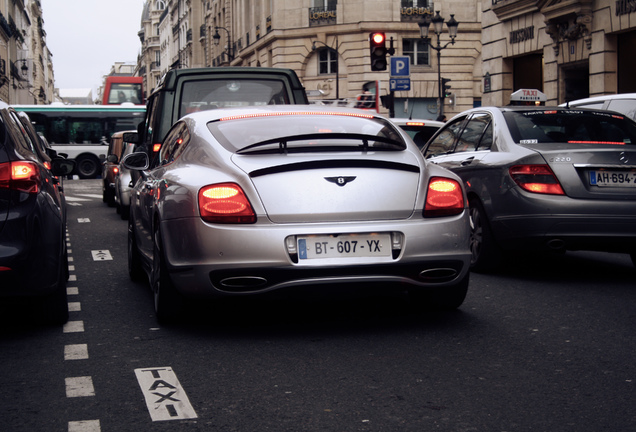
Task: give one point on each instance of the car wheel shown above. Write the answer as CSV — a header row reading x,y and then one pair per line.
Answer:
x,y
441,299
168,302
124,212
54,306
135,270
87,167
485,252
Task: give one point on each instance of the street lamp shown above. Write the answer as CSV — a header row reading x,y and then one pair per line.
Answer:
x,y
217,40
313,48
24,68
438,22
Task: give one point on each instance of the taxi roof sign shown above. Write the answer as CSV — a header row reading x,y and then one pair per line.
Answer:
x,y
528,95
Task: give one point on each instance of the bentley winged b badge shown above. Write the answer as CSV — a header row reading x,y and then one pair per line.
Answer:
x,y
341,180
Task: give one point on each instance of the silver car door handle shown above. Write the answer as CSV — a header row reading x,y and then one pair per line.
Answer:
x,y
468,161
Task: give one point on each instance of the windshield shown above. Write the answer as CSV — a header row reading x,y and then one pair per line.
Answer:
x,y
209,94
570,126
305,130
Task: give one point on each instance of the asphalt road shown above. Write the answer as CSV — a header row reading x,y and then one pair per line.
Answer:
x,y
548,344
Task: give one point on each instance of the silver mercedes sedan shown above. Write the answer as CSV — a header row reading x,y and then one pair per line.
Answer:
x,y
543,179
248,200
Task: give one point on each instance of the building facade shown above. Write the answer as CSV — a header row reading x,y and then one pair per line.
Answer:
x,y
569,49
26,67
325,41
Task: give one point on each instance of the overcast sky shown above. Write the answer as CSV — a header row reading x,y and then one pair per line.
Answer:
x,y
86,37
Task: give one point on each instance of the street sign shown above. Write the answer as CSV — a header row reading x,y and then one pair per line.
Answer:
x,y
400,66
400,84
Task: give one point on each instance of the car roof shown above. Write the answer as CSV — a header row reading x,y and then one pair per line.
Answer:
x,y
597,99
216,114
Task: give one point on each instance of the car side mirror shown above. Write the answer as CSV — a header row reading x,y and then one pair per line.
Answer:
x,y
61,167
112,158
131,137
137,161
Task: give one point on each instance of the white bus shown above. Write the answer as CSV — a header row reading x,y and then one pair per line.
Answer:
x,y
82,132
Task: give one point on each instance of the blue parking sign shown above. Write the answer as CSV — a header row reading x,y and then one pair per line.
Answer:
x,y
400,66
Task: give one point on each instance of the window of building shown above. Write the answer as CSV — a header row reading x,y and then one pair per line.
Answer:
x,y
327,61
328,4
160,5
418,51
415,3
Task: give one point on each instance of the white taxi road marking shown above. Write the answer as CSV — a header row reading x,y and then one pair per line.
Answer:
x,y
79,387
165,398
102,255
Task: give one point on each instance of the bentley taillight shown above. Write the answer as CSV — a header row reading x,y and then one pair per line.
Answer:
x,y
536,179
225,203
444,198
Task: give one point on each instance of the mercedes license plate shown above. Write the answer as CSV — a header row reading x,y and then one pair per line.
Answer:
x,y
344,245
613,178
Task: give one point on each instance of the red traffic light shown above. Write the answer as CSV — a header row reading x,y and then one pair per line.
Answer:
x,y
378,51
378,38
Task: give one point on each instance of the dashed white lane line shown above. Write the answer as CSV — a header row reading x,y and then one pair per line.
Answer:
x,y
84,426
76,352
165,398
73,327
74,306
72,291
79,387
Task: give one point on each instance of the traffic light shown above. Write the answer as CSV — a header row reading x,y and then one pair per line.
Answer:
x,y
377,42
446,87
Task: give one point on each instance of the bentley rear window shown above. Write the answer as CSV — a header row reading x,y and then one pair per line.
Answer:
x,y
306,130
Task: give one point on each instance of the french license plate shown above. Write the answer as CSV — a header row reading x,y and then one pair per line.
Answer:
x,y
613,178
344,245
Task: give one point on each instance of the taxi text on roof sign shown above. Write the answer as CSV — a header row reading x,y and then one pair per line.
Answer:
x,y
525,95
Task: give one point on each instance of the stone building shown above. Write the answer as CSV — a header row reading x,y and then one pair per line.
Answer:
x,y
325,41
569,49
26,68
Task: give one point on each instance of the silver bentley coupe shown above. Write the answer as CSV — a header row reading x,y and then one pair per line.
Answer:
x,y
248,200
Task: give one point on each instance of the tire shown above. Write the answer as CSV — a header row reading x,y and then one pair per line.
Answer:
x,y
124,212
108,195
441,299
87,167
168,302
135,270
486,255
54,306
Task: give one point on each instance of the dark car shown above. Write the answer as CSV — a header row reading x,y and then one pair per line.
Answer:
x,y
543,179
33,257
184,91
110,167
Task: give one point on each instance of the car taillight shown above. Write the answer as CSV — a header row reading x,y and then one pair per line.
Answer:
x,y
444,198
536,178
225,203
22,176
